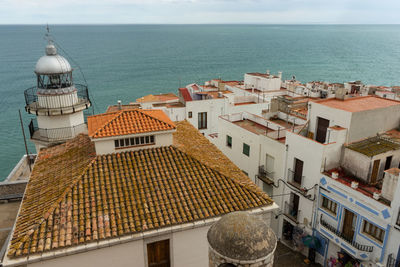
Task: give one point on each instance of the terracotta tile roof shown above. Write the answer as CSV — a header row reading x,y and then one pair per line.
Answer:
x,y
157,98
184,138
361,103
127,122
116,108
185,94
55,172
74,197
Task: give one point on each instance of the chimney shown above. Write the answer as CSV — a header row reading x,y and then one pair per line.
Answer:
x,y
280,74
341,93
119,105
390,183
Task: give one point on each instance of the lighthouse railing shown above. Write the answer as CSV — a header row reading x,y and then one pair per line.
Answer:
x,y
55,134
57,100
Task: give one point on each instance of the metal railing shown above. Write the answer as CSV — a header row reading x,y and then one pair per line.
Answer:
x,y
54,134
353,243
392,262
291,179
31,99
265,176
291,212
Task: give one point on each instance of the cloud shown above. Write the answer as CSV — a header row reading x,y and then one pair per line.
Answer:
x,y
198,11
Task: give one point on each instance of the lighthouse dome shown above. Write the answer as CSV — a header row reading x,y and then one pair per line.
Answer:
x,y
52,63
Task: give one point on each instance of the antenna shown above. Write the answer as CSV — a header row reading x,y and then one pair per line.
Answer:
x,y
23,134
47,35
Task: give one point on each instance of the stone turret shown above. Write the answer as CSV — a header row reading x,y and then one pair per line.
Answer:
x,y
241,239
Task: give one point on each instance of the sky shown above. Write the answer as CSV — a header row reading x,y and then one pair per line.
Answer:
x,y
199,11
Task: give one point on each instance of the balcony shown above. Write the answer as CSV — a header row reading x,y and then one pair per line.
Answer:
x,y
291,212
362,252
55,135
295,179
57,103
392,262
265,176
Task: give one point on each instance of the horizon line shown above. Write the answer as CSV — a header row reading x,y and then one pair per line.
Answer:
x,y
281,24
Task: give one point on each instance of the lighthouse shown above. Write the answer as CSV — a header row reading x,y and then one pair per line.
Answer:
x,y
57,102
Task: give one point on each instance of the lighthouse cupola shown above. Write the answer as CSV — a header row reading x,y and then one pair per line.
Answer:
x,y
56,100
53,71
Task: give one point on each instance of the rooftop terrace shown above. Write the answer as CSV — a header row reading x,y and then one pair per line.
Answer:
x,y
358,104
363,187
373,146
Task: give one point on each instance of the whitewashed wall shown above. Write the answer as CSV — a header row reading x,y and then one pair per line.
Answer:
x,y
106,145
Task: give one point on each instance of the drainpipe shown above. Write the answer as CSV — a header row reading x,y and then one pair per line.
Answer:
x,y
259,162
284,187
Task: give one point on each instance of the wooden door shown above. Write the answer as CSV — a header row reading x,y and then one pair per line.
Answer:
x,y
322,127
375,169
349,224
298,171
158,254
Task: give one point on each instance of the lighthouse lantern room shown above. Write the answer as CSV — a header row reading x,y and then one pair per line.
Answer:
x,y
56,100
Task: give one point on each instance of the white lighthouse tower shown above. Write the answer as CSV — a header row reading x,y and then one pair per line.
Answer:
x,y
56,101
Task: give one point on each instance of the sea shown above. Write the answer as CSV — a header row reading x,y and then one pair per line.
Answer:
x,y
125,62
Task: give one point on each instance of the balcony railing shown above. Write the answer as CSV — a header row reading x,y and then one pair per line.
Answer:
x,y
392,262
266,176
55,134
291,212
82,101
354,244
291,179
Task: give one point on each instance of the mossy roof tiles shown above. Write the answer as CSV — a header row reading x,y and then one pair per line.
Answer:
x,y
126,122
74,197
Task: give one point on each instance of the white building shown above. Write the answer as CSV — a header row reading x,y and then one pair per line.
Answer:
x,y
322,146
257,146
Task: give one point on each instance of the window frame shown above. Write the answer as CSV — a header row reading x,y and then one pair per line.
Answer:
x,y
373,231
202,120
122,143
229,141
329,204
190,114
247,153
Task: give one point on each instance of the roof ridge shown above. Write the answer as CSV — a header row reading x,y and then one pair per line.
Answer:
x,y
117,114
243,184
51,209
155,117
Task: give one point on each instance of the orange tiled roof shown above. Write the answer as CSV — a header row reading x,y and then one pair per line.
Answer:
x,y
157,98
360,103
74,198
126,122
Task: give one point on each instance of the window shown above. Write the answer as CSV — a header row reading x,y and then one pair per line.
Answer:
x,y
329,205
190,114
388,162
136,141
374,231
228,141
158,254
246,149
202,123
